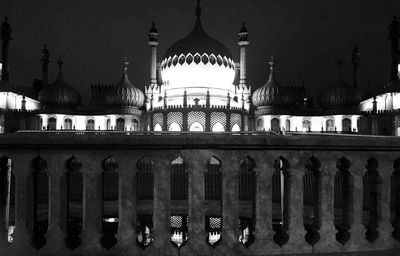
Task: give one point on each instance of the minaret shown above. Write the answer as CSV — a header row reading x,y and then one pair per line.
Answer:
x,y
394,37
355,59
6,37
153,42
45,65
243,42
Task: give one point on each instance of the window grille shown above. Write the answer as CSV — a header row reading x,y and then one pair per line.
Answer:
x,y
218,117
236,119
196,116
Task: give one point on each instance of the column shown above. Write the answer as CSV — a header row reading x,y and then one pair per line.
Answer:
x,y
297,232
327,242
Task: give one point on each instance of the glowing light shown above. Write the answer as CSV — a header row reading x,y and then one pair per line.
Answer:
x,y
157,128
196,127
236,128
174,127
218,127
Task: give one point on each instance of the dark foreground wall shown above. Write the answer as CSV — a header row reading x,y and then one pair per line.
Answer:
x,y
377,155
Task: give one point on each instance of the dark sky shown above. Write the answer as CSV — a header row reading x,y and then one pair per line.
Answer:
x,y
306,37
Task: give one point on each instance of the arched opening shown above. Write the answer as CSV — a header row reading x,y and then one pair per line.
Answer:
x,y
346,125
330,125
68,124
179,209
311,200
90,125
120,124
52,123
145,196
218,127
287,125
306,126
260,125
196,127
108,124
174,127
280,201
213,197
235,128
157,128
135,125
275,125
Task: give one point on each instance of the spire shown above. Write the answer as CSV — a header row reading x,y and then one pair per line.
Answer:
x,y
198,9
271,64
6,37
153,35
339,64
125,64
355,59
243,35
394,36
60,62
45,61
45,54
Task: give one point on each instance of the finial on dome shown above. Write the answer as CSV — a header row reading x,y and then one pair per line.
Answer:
x,y
125,64
271,63
198,9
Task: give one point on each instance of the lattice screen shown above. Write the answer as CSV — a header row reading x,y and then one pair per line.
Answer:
x,y
236,119
158,119
215,222
218,117
174,117
196,116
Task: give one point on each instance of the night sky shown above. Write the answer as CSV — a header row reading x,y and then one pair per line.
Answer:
x,y
306,37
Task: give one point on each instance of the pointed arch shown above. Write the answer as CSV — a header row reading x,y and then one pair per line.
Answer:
x,y
174,127
218,127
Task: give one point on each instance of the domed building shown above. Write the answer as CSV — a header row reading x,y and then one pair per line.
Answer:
x,y
197,90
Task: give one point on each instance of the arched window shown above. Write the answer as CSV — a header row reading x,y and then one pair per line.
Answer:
x,y
306,126
260,124
280,201
330,126
247,197
311,200
179,195
157,128
68,124
135,125
346,125
174,127
196,127
108,124
218,127
213,197
145,196
287,125
275,125
52,123
120,124
235,128
90,125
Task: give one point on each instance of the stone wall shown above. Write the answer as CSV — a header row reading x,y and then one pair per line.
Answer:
x,y
126,149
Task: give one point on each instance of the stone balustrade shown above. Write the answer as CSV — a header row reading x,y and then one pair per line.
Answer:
x,y
364,155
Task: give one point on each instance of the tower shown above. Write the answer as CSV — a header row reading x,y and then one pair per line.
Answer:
x,y
45,63
243,42
355,59
153,42
6,37
394,36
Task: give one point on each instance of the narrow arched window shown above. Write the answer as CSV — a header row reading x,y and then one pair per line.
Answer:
x,y
280,201
74,180
135,125
90,125
67,124
108,124
372,182
330,126
213,197
52,123
110,217
7,197
260,125
342,200
40,202
275,125
120,124
346,125
247,198
145,197
179,203
311,200
306,126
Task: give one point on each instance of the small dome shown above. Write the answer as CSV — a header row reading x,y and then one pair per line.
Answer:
x,y
271,94
59,96
339,96
125,94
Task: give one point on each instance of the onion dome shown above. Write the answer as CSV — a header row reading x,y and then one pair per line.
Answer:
x,y
59,96
125,94
198,41
271,94
340,96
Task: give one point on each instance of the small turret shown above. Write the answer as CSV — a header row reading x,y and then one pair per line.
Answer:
x,y
243,42
394,36
45,65
355,59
